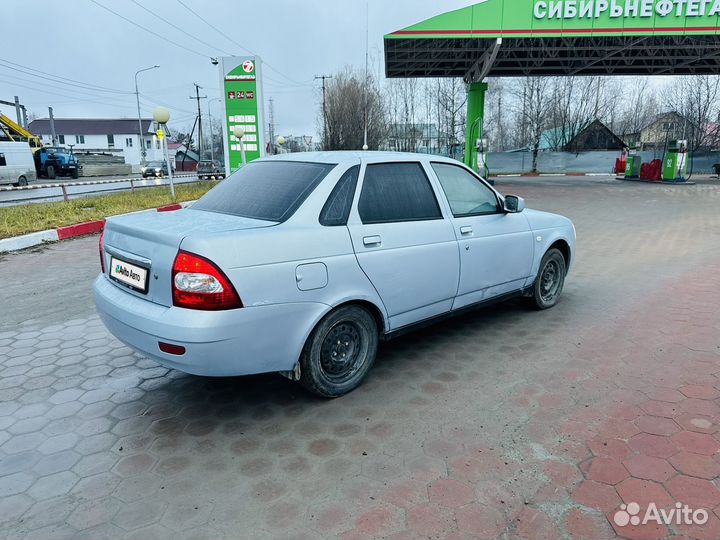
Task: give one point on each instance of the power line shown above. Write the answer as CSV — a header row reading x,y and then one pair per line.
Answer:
x,y
71,82
160,17
240,45
84,91
165,104
148,30
41,90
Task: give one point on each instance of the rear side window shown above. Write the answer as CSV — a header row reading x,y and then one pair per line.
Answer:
x,y
267,190
397,192
3,161
336,211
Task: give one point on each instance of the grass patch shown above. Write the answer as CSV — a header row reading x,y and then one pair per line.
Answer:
x,y
17,220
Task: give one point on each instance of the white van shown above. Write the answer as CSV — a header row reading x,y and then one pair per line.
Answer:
x,y
17,166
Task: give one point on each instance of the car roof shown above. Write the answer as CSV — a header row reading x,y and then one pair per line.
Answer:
x,y
356,155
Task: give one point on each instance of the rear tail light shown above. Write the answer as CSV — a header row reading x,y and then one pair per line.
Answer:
x,y
169,348
198,284
102,252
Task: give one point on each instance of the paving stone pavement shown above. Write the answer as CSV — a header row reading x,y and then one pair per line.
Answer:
x,y
504,423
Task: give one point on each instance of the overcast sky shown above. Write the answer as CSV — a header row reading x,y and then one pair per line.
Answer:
x,y
79,40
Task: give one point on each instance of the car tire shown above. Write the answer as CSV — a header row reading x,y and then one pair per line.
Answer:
x,y
550,280
51,174
76,173
325,369
22,181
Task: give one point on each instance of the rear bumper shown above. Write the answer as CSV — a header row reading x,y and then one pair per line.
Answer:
x,y
218,344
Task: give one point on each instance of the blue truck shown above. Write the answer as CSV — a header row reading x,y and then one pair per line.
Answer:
x,y
53,161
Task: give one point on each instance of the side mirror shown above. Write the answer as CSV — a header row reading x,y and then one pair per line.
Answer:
x,y
514,204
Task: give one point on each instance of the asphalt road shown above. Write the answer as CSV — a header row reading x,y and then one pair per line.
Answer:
x,y
504,423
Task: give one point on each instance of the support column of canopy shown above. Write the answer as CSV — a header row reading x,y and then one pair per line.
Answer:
x,y
476,90
474,127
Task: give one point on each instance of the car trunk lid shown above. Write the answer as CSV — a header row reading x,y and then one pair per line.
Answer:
x,y
151,240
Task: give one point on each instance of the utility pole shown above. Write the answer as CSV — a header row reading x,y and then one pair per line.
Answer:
x,y
325,125
271,125
141,135
17,112
52,127
198,97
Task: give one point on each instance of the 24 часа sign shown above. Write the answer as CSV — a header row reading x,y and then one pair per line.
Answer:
x,y
628,9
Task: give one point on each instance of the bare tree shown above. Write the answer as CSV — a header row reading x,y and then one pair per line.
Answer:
x,y
498,123
695,99
346,97
533,106
641,106
402,105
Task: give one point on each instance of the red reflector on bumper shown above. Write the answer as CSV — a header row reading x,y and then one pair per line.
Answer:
x,y
169,348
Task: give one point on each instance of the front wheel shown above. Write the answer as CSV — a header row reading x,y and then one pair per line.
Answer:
x,y
340,352
22,181
550,280
51,174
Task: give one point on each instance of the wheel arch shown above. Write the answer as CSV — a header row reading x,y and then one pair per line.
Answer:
x,y
372,308
563,247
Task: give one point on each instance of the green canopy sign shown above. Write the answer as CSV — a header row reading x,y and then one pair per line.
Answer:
x,y
613,9
530,18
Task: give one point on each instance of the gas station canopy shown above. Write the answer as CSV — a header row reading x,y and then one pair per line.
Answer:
x,y
514,38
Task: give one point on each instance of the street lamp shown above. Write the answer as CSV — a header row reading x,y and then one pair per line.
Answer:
x,y
162,116
240,133
143,152
212,146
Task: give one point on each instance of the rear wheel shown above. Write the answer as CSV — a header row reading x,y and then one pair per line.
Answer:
x,y
340,352
22,181
76,173
51,174
550,280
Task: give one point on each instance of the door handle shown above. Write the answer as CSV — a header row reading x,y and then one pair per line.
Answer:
x,y
466,231
372,241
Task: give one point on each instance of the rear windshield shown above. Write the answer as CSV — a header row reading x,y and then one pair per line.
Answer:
x,y
267,190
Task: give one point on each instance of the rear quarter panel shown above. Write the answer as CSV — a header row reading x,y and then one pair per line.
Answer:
x,y
263,263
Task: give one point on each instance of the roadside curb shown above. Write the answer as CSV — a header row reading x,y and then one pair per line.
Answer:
x,y
16,243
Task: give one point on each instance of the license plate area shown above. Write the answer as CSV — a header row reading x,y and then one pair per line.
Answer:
x,y
130,275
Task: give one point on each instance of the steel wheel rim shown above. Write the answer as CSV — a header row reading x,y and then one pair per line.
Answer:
x,y
550,280
341,352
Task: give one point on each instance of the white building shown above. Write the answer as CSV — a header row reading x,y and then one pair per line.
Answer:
x,y
102,134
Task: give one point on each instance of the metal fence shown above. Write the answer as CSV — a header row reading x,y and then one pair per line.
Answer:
x,y
35,193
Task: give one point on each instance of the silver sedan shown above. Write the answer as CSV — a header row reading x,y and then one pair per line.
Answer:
x,y
301,263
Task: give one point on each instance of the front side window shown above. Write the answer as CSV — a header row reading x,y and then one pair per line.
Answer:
x,y
467,195
336,211
394,192
266,190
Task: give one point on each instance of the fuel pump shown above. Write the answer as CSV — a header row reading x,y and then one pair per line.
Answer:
x,y
675,162
634,162
482,163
